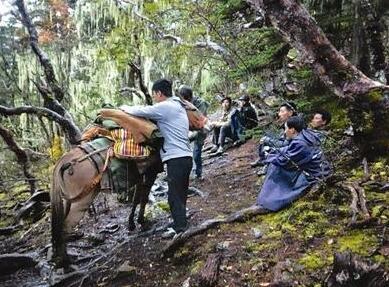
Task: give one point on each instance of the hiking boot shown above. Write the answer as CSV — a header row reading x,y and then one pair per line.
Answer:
x,y
262,171
220,150
213,149
256,163
169,233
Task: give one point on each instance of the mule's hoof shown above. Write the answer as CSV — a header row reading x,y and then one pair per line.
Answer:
x,y
61,261
73,236
146,225
131,226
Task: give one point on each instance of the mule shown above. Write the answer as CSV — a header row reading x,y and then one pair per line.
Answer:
x,y
75,184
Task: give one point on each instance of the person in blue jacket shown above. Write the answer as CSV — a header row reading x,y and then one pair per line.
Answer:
x,y
294,168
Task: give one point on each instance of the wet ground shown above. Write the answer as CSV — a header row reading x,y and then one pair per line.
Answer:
x,y
255,253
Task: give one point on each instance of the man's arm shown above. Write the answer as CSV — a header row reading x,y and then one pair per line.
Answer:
x,y
154,112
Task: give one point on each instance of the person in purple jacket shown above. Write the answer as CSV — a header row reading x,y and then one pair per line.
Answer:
x,y
294,168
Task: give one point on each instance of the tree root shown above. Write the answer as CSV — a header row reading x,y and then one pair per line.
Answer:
x,y
78,277
358,203
239,216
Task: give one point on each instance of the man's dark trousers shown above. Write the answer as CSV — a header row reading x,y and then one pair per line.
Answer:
x,y
178,171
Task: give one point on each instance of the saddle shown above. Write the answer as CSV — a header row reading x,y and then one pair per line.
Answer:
x,y
131,143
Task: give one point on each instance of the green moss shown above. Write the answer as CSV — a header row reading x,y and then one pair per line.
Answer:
x,y
315,260
375,96
196,266
3,196
361,242
163,205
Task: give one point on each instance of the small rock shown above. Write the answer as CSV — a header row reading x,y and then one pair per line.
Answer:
x,y
126,270
257,233
223,245
186,283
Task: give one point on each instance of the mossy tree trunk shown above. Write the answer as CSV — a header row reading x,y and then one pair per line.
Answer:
x,y
369,104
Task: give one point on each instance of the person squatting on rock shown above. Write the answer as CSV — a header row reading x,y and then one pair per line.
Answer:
x,y
197,137
293,168
274,140
172,121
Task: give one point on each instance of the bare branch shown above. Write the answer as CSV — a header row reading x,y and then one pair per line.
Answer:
x,y
72,131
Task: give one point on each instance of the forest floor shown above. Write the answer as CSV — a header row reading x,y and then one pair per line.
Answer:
x,y
295,246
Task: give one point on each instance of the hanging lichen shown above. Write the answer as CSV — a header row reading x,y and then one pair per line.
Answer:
x,y
56,149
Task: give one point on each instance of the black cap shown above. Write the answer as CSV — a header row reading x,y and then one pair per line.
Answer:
x,y
245,98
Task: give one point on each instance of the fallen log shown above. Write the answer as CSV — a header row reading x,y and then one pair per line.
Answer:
x,y
239,216
12,262
351,270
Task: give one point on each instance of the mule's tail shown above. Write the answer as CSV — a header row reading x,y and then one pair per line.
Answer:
x,y
57,221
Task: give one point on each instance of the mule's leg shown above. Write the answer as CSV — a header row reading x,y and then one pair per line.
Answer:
x,y
144,194
135,202
77,210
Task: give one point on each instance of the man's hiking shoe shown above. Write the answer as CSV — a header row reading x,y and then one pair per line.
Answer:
x,y
208,147
213,149
169,233
262,171
220,150
256,163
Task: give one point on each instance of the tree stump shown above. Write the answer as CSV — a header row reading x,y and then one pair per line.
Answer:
x,y
350,270
209,274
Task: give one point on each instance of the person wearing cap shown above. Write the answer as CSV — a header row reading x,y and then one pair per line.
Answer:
x,y
223,128
275,140
247,115
197,137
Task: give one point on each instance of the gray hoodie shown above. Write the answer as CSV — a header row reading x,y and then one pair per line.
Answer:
x,y
173,123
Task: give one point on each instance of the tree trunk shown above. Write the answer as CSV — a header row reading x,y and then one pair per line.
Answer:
x,y
369,108
21,156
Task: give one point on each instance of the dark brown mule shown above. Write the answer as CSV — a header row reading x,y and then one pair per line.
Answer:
x,y
75,185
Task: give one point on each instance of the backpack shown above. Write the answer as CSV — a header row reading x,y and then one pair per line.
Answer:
x,y
197,120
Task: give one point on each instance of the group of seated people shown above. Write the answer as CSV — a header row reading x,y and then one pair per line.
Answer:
x,y
289,152
233,123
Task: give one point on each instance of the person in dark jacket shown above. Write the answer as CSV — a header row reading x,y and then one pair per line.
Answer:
x,y
274,140
294,168
247,115
197,137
